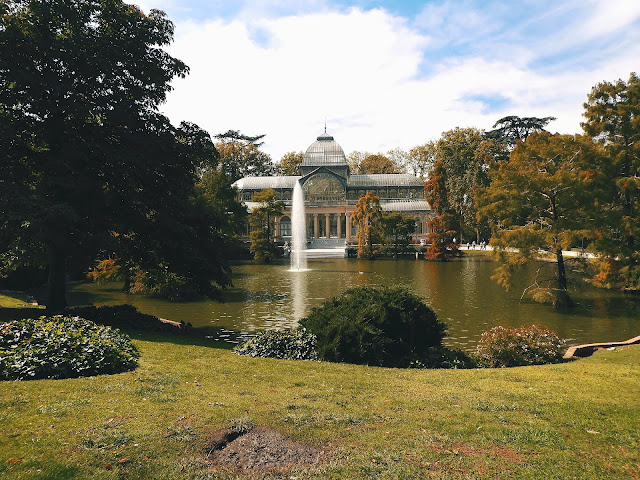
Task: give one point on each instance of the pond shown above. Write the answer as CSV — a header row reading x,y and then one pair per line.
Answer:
x,y
461,293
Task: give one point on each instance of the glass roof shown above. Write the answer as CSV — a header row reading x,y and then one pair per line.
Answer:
x,y
385,180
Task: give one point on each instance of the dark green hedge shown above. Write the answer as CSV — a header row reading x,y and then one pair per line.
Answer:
x,y
386,326
62,347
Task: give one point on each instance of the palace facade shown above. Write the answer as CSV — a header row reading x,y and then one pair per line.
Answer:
x,y
331,193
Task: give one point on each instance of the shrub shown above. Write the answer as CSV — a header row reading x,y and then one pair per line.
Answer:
x,y
162,283
295,344
387,326
516,346
443,357
62,347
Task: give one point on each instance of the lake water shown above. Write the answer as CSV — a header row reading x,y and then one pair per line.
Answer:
x,y
461,293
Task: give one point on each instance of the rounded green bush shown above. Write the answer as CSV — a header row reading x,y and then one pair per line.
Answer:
x,y
295,344
62,347
519,346
385,326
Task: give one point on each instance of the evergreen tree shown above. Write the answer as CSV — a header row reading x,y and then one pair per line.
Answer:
x,y
512,129
542,201
613,119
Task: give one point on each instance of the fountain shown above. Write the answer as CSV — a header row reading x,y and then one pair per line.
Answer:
x,y
298,231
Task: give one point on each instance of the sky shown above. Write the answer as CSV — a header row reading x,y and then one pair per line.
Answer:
x,y
391,74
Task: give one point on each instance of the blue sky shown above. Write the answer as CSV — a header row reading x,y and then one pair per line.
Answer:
x,y
392,74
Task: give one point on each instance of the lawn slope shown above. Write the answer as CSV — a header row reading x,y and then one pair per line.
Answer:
x,y
576,420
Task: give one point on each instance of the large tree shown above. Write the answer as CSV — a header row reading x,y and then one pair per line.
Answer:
x,y
262,219
462,153
367,215
421,159
442,224
290,163
612,116
86,157
542,201
511,129
378,163
240,155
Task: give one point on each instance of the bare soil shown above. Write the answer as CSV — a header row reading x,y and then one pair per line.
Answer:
x,y
260,449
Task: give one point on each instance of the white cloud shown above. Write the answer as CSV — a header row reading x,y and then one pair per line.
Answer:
x,y
362,70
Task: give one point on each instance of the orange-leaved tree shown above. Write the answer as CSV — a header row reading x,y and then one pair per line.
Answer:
x,y
367,215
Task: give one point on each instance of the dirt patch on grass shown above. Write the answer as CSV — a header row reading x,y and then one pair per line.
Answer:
x,y
459,448
260,449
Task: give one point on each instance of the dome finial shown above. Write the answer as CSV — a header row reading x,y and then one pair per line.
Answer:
x,y
325,124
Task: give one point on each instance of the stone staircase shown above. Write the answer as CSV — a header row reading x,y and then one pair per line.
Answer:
x,y
326,248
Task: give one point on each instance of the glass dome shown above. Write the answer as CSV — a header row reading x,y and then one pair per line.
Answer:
x,y
324,151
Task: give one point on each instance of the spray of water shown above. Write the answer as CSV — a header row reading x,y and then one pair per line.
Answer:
x,y
298,230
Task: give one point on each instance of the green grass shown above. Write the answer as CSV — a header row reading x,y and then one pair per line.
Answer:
x,y
14,299
571,421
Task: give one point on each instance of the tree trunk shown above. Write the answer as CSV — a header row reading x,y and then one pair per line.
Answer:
x,y
56,291
127,280
562,274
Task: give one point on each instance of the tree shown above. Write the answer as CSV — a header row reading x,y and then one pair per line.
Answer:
x,y
235,136
542,201
290,163
421,159
354,159
397,227
511,129
441,232
612,116
378,163
367,215
240,155
261,222
400,159
214,187
80,86
461,152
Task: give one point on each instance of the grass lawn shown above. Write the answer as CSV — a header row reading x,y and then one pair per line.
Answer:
x,y
14,299
578,420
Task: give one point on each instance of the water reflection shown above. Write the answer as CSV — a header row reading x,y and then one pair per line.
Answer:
x,y
461,293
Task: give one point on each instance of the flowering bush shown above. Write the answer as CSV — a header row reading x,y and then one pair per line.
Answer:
x,y
515,346
62,347
295,344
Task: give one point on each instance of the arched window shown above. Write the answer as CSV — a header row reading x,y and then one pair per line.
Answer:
x,y
323,188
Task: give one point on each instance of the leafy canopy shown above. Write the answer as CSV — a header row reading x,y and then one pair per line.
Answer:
x,y
541,200
89,165
612,113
